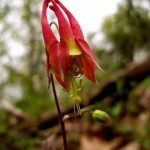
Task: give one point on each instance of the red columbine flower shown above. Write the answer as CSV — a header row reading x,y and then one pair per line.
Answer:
x,y
71,57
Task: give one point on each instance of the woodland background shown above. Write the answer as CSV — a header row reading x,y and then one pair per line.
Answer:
x,y
28,117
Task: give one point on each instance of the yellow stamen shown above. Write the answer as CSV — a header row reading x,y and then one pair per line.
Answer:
x,y
77,101
78,90
74,88
71,95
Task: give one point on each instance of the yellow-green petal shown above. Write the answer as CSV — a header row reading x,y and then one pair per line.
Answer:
x,y
74,50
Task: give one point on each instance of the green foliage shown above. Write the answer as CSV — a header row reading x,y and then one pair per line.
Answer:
x,y
146,139
19,142
146,82
116,110
126,32
3,120
28,69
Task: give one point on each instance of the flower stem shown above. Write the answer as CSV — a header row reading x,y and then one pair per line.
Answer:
x,y
59,114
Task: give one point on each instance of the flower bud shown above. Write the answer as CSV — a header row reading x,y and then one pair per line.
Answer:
x,y
101,117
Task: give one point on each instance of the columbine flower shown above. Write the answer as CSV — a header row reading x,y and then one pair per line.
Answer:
x,y
70,57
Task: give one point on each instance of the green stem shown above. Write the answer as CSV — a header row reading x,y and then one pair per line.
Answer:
x,y
59,114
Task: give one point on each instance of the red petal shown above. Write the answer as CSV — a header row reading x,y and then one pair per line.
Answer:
x,y
64,27
73,22
59,79
59,60
53,57
63,56
88,67
86,48
48,35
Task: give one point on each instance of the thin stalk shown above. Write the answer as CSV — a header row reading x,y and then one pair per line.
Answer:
x,y
59,114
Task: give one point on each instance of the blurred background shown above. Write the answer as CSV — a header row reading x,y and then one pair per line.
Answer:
x,y
28,117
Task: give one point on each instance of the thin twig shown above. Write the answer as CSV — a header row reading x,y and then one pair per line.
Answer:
x,y
59,114
76,113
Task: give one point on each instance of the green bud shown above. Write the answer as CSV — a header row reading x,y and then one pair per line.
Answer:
x,y
101,117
